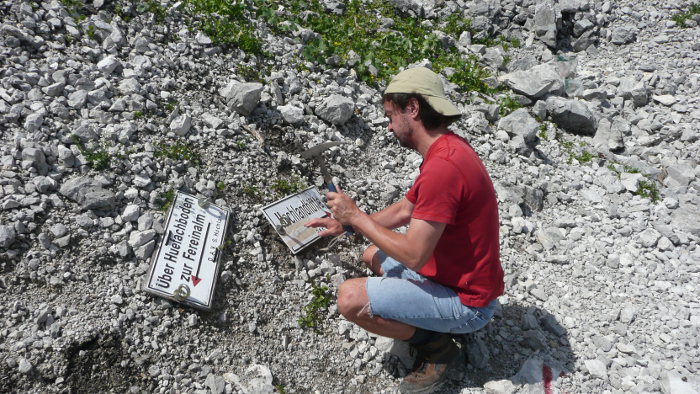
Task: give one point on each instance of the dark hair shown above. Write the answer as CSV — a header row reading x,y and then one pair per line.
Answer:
x,y
430,117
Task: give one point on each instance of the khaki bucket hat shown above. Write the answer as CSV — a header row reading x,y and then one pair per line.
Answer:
x,y
425,82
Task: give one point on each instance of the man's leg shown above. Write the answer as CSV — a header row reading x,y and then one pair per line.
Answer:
x,y
437,352
353,304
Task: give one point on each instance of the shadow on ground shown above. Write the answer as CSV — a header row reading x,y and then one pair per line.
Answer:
x,y
521,345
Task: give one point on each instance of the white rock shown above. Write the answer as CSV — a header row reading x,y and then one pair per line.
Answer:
x,y
596,368
138,238
665,99
131,213
291,114
108,64
181,125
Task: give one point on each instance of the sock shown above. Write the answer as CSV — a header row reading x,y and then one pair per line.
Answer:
x,y
421,336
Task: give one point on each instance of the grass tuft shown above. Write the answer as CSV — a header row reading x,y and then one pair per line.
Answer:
x,y
321,299
681,17
98,159
178,151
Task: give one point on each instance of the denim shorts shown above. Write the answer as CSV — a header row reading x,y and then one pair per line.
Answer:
x,y
405,295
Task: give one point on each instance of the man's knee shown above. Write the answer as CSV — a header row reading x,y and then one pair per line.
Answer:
x,y
352,298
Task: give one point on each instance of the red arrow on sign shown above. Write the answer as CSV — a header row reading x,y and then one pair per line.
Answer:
x,y
195,280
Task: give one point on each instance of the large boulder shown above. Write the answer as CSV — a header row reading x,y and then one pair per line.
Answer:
x,y
632,89
88,193
535,82
572,115
609,136
545,23
335,109
519,122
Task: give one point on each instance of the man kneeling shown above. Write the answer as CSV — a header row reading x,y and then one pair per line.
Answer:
x,y
444,274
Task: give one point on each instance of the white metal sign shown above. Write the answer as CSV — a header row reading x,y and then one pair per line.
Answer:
x,y
289,214
186,266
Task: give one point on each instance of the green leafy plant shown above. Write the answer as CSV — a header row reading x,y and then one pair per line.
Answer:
x,y
166,199
584,157
171,105
681,17
240,145
311,316
138,114
220,186
507,104
152,6
178,151
226,23
76,9
648,189
251,191
98,159
90,31
377,51
543,132
287,186
250,74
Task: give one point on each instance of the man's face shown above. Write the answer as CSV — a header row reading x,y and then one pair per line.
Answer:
x,y
399,124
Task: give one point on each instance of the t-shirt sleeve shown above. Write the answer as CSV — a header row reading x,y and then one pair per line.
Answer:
x,y
436,192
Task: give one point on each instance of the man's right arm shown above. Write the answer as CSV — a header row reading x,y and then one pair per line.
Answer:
x,y
395,215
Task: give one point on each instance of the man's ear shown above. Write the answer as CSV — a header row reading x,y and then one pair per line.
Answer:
x,y
413,107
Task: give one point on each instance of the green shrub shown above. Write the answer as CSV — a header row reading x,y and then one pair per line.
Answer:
x,y
507,104
178,151
283,187
584,157
166,199
226,23
311,317
681,17
98,159
648,189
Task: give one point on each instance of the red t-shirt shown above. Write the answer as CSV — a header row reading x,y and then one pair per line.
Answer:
x,y
454,188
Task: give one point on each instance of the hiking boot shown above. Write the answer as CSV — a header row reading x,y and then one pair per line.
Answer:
x,y
435,359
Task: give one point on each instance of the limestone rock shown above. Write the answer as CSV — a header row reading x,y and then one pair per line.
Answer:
x,y
88,193
291,113
545,23
336,109
535,82
572,115
244,97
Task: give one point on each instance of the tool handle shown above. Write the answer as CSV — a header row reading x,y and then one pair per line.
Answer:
x,y
348,228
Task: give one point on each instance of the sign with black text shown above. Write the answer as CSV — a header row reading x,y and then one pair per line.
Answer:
x,y
289,214
186,265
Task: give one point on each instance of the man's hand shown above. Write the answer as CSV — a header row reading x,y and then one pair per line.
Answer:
x,y
333,227
343,207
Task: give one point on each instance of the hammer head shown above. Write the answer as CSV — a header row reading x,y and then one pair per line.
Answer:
x,y
318,149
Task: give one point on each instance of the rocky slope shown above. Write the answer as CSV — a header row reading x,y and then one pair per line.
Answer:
x,y
102,118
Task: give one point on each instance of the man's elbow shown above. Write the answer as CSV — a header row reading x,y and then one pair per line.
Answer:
x,y
416,262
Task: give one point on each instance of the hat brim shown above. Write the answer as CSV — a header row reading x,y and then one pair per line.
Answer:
x,y
442,106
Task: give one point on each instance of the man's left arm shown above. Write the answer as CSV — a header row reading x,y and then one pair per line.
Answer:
x,y
412,249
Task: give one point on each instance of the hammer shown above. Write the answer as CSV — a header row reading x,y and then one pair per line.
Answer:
x,y
316,152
